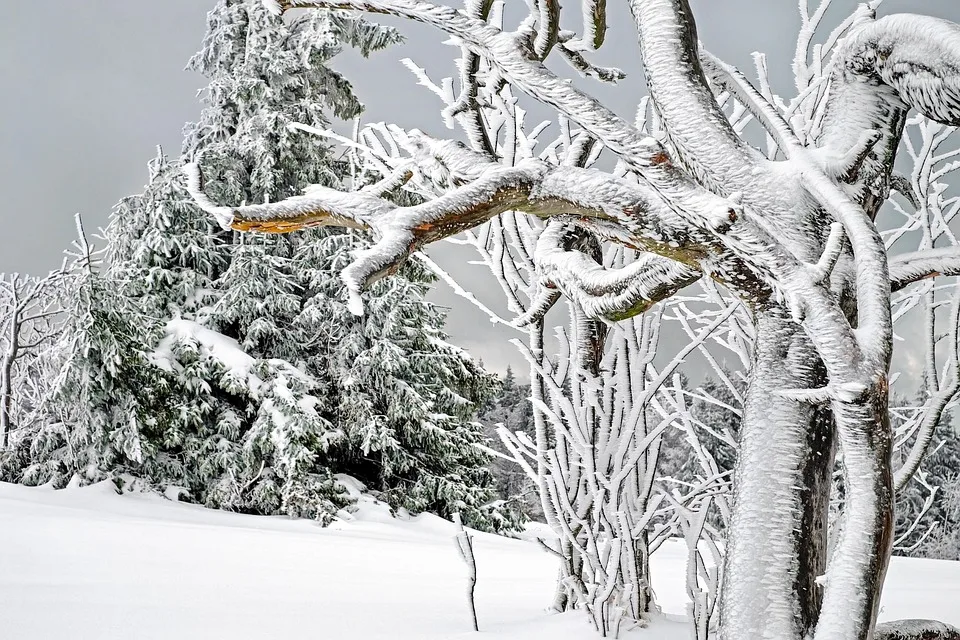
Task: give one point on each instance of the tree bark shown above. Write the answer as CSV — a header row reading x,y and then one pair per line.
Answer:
x,y
777,542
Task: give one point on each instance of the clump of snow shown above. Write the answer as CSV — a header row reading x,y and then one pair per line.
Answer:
x,y
273,7
226,351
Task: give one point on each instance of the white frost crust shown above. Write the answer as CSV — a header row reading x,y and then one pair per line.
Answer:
x,y
762,558
886,66
906,268
224,350
821,271
599,291
329,206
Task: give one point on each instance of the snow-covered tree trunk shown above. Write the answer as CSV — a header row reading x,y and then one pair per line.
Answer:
x,y
782,484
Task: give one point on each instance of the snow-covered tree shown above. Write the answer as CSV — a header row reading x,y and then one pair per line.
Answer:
x,y
97,414
29,310
402,396
278,386
792,231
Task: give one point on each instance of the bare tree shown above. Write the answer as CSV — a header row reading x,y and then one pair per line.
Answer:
x,y
28,309
791,232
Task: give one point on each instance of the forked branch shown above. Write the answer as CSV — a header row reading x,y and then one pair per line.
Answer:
x,y
611,208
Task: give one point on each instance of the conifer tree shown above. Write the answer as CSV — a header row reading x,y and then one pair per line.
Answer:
x,y
512,409
100,413
278,386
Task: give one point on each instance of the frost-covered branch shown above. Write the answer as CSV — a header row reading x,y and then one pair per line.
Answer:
x,y
704,141
908,268
932,412
613,294
609,207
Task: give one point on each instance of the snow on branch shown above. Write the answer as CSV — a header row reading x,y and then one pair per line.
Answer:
x,y
322,207
612,294
916,630
916,56
733,81
684,100
908,268
612,208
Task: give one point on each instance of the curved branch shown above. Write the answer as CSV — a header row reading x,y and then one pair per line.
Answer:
x,y
908,268
917,58
610,294
614,209
694,123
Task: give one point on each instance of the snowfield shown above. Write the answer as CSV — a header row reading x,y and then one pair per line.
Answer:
x,y
90,564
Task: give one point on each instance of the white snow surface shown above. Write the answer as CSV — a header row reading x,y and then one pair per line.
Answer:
x,y
86,563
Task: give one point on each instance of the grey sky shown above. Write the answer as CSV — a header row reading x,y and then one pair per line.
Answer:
x,y
90,88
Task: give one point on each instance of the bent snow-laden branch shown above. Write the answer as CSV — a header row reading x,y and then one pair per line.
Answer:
x,y
614,209
916,630
918,59
611,294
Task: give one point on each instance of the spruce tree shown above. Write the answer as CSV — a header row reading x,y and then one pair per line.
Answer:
x,y
278,387
511,407
102,408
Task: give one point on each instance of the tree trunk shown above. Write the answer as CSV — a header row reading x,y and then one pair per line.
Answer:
x,y
6,382
777,542
6,401
859,565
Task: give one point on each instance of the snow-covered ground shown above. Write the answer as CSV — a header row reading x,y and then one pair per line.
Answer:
x,y
89,564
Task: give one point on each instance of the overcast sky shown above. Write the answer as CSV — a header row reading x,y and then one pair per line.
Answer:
x,y
90,88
